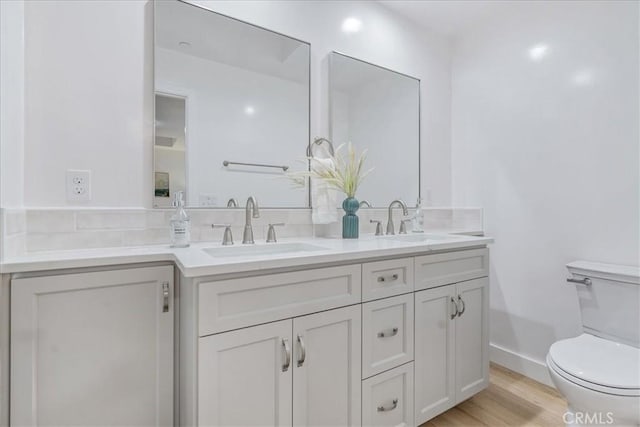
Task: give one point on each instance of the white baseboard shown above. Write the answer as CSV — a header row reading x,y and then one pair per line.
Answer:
x,y
524,365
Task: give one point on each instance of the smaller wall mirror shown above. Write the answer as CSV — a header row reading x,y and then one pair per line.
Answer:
x,y
379,110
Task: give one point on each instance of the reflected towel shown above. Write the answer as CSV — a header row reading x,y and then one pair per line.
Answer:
x,y
324,199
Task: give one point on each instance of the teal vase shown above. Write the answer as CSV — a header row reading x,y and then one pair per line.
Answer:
x,y
350,221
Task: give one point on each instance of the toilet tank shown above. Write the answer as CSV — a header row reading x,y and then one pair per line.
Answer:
x,y
610,305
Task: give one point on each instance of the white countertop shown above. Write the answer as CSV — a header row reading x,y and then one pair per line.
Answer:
x,y
194,261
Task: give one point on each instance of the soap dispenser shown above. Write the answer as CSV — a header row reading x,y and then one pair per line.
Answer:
x,y
417,222
180,224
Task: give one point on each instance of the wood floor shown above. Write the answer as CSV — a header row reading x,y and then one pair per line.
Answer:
x,y
510,400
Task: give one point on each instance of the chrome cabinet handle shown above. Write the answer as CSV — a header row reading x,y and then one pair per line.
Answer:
x,y
394,405
461,312
287,355
586,281
303,351
388,333
453,315
391,278
165,297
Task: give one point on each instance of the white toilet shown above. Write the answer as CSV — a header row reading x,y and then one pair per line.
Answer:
x,y
598,372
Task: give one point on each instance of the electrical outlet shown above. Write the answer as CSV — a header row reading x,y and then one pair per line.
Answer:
x,y
78,185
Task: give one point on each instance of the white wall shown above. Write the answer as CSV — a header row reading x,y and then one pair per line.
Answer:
x,y
88,100
11,103
88,87
549,148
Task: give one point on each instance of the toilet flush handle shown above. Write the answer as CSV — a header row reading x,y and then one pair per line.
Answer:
x,y
586,281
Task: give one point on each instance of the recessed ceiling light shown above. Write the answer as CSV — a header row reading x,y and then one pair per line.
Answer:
x,y
539,51
351,25
184,44
249,110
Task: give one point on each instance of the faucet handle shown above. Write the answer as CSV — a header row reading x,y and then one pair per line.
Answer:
x,y
271,232
378,226
228,236
403,227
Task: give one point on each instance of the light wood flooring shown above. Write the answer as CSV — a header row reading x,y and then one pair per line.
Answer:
x,y
510,400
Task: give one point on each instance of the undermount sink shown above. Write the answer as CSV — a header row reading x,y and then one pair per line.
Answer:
x,y
258,250
418,237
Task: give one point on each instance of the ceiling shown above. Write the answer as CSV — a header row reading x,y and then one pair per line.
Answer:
x,y
448,17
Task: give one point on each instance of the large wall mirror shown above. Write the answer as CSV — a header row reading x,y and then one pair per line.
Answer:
x,y
378,109
231,109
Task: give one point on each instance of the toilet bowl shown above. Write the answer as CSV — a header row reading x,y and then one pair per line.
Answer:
x,y
599,378
598,372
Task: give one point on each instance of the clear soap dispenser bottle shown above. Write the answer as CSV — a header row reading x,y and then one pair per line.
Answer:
x,y
417,222
180,224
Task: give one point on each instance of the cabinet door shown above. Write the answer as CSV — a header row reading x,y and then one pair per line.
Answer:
x,y
327,368
244,377
472,338
434,352
93,349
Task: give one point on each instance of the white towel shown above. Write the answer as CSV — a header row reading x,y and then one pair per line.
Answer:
x,y
324,199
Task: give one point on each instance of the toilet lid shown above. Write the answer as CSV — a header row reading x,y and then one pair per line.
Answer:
x,y
598,361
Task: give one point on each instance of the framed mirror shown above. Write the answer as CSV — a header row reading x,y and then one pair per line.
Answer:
x,y
379,110
231,110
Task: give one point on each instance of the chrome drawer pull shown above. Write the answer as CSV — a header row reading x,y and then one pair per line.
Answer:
x,y
394,405
461,312
388,278
165,297
586,281
453,315
303,351
287,355
388,333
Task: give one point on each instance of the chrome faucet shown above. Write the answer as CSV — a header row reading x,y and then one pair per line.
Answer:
x,y
232,203
365,204
405,212
250,210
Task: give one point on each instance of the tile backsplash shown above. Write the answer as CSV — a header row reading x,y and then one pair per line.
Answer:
x,y
37,230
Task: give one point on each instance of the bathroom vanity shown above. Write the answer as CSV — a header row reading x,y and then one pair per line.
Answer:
x,y
380,331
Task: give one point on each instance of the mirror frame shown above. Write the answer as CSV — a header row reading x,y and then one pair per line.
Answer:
x,y
330,98
154,91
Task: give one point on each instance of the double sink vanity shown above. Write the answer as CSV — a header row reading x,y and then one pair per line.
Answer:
x,y
383,330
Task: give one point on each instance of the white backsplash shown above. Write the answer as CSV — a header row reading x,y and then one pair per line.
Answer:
x,y
37,230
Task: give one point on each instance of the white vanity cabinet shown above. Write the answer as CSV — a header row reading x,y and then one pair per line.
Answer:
x,y
93,348
451,345
302,372
358,344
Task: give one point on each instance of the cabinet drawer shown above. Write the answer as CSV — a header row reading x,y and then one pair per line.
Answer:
x,y
443,269
230,304
387,334
387,398
383,279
